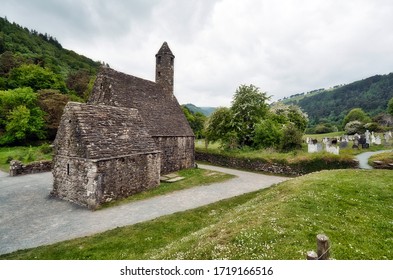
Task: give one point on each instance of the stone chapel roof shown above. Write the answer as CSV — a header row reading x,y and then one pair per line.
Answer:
x,y
98,131
160,110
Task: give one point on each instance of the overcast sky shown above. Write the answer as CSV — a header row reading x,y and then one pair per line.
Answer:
x,y
282,46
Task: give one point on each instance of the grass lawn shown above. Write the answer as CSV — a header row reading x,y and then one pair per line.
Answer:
x,y
385,158
353,207
23,154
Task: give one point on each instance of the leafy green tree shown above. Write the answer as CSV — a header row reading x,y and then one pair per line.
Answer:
x,y
196,121
356,114
36,77
20,116
52,102
249,107
290,113
354,127
268,133
218,125
22,125
292,138
78,81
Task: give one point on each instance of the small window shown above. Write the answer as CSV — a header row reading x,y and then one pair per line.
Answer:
x,y
171,61
159,59
68,169
159,74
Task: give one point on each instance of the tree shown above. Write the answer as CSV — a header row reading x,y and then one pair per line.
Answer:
x,y
52,102
218,125
268,133
290,113
22,125
36,77
78,81
20,116
249,107
196,121
354,127
292,138
356,114
390,106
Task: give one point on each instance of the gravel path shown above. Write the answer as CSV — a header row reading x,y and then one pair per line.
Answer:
x,y
29,218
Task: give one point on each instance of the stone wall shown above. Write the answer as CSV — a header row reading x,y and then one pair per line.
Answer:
x,y
18,168
176,153
299,168
93,182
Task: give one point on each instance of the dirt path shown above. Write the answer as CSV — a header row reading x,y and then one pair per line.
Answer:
x,y
29,218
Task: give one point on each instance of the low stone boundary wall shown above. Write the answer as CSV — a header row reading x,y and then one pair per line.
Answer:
x,y
18,168
300,168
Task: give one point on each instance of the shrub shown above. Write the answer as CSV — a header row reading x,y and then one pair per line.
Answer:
x,y
46,149
354,127
292,138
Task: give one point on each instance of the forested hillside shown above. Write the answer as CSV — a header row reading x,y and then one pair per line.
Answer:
x,y
371,94
37,78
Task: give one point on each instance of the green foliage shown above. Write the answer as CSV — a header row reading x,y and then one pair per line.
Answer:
x,y
218,125
251,123
29,59
292,138
356,114
390,106
324,128
36,77
20,117
249,107
196,121
371,95
23,124
268,134
52,102
354,127
289,114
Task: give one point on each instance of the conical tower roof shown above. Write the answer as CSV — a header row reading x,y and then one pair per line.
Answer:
x,y
165,50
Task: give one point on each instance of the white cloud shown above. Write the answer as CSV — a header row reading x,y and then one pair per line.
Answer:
x,y
282,46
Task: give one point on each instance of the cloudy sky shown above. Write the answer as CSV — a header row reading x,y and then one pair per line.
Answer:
x,y
282,46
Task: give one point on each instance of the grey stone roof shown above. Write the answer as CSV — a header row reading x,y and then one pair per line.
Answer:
x,y
164,50
98,131
160,110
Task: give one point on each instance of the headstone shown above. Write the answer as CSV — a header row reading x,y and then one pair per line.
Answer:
x,y
367,136
315,148
378,140
343,144
372,138
333,149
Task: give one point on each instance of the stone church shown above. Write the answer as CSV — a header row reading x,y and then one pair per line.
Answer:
x,y
130,131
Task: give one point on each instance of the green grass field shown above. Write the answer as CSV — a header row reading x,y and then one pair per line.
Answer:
x,y
353,207
23,154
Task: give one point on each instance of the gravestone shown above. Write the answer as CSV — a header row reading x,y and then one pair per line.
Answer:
x,y
343,144
315,148
333,149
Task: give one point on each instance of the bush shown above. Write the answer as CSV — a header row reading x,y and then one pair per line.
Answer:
x,y
354,127
46,149
292,138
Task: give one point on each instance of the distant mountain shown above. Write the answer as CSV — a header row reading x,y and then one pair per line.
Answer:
x,y
207,111
371,94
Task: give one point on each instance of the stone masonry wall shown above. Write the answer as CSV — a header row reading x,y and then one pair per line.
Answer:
x,y
176,153
18,168
300,168
93,182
